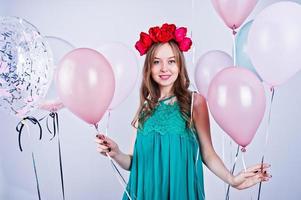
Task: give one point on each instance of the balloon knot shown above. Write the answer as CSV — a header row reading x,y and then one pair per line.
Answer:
x,y
233,29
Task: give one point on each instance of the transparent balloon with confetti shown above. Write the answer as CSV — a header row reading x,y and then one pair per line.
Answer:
x,y
26,66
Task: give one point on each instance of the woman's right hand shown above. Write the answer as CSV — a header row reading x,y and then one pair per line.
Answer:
x,y
106,146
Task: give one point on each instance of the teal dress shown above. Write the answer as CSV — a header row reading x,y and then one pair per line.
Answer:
x,y
166,162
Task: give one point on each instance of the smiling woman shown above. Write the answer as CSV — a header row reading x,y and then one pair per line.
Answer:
x,y
173,131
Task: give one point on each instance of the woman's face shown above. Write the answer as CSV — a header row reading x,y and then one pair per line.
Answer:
x,y
164,69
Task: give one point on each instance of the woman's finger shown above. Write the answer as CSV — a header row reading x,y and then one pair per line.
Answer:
x,y
103,147
248,174
99,141
109,141
103,142
258,167
103,151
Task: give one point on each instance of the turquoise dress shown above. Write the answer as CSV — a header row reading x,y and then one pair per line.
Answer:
x,y
166,162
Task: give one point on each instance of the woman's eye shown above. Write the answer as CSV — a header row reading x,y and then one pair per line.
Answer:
x,y
156,62
171,61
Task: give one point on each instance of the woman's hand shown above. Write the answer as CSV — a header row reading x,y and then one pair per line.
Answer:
x,y
251,176
106,146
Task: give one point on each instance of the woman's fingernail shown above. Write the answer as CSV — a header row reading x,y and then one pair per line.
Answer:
x,y
256,171
109,149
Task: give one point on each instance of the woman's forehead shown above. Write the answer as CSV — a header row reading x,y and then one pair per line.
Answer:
x,y
164,51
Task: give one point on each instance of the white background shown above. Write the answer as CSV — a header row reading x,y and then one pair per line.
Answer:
x,y
88,175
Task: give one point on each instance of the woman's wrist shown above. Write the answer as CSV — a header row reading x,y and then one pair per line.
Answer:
x,y
124,160
231,180
117,155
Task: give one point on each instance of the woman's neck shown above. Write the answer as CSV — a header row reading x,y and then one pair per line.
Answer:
x,y
166,92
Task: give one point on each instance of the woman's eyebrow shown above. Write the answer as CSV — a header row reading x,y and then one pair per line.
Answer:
x,y
167,58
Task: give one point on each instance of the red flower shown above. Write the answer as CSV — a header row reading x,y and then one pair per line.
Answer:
x,y
144,43
154,32
166,33
185,44
169,27
141,48
145,39
180,34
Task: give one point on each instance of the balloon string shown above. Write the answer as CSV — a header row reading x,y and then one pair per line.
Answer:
x,y
116,171
234,47
232,172
223,157
36,175
231,150
269,118
20,126
55,122
266,138
243,160
23,122
52,115
122,182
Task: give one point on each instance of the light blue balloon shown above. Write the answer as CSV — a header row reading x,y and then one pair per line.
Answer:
x,y
241,40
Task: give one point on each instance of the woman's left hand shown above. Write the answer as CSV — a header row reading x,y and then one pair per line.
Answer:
x,y
251,176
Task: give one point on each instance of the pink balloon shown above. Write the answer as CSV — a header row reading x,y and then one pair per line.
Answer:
x,y
125,67
208,66
274,42
85,84
234,12
236,100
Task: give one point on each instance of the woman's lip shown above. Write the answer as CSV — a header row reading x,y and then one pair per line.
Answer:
x,y
164,77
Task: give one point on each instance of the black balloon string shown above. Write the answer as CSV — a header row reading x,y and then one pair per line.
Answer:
x,y
55,132
19,129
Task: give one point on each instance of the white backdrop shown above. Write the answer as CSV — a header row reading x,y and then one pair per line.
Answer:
x,y
89,175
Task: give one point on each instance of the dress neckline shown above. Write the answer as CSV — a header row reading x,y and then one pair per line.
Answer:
x,y
166,98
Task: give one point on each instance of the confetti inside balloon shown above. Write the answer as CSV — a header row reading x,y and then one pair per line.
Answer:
x,y
26,66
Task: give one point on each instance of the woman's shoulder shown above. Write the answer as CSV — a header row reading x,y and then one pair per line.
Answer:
x,y
199,103
198,99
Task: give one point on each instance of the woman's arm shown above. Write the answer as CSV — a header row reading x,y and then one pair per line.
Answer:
x,y
243,180
107,145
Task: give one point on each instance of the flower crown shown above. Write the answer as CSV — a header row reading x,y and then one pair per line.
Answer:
x,y
161,35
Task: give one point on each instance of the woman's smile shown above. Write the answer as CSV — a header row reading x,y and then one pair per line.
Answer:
x,y
164,77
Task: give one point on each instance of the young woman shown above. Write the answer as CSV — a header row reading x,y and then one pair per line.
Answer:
x,y
173,131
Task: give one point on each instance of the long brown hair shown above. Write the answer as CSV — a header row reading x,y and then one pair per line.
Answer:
x,y
150,91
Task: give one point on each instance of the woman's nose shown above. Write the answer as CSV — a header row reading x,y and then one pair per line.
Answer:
x,y
164,67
